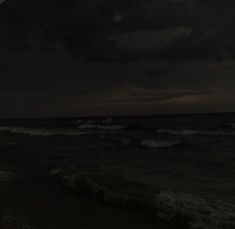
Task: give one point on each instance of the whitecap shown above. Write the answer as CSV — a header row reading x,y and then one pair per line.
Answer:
x,y
101,127
193,211
41,132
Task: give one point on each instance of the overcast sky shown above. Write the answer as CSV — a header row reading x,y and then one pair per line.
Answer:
x,y
115,59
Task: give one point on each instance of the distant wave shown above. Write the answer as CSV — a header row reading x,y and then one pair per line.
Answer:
x,y
101,127
41,132
187,132
108,120
159,144
194,212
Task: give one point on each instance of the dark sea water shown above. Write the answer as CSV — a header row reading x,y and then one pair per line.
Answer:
x,y
183,162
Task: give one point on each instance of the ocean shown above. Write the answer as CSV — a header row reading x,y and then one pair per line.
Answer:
x,y
184,165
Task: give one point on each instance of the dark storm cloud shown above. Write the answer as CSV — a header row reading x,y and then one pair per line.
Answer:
x,y
84,28
116,57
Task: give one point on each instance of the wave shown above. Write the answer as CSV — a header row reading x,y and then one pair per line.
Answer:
x,y
183,210
40,132
101,127
188,132
77,180
83,184
194,212
159,144
108,120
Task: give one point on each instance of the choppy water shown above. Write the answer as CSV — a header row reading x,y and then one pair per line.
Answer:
x,y
190,154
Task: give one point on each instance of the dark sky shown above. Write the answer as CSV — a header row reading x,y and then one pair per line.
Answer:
x,y
100,57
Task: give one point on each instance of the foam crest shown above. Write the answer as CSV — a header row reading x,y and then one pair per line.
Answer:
x,y
41,132
101,127
194,212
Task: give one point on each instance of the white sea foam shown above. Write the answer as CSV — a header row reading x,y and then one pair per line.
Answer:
x,y
41,132
188,132
159,144
101,127
194,212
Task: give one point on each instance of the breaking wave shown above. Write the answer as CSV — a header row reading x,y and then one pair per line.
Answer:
x,y
41,132
188,132
101,127
194,212
159,144
184,210
83,184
